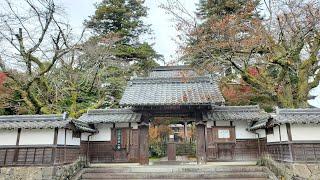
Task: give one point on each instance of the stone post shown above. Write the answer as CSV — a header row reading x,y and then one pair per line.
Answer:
x,y
171,149
144,142
201,142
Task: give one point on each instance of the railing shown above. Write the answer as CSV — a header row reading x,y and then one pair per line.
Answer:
x,y
37,155
295,151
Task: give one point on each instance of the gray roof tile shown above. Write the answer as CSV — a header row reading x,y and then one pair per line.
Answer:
x,y
40,122
172,91
110,116
308,115
258,125
236,113
183,73
32,121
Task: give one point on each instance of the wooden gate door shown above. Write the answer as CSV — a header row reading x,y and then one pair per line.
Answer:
x,y
221,143
120,140
225,151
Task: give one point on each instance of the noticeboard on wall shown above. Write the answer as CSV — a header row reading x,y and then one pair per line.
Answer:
x,y
223,134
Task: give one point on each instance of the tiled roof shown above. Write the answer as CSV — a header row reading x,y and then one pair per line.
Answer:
x,y
40,122
32,121
236,113
172,71
82,126
308,115
177,73
258,125
110,116
172,68
172,91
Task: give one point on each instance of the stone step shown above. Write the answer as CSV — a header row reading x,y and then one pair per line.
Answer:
x,y
174,169
215,179
168,175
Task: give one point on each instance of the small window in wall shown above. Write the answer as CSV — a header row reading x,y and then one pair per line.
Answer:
x,y
269,131
76,134
119,139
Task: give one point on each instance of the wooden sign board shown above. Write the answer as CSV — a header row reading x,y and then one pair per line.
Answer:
x,y
223,134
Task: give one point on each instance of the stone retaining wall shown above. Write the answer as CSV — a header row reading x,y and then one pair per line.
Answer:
x,y
288,171
42,173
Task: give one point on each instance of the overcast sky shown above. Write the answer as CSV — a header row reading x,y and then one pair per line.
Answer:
x,y
163,28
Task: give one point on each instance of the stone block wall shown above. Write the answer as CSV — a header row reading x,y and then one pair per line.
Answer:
x,y
42,173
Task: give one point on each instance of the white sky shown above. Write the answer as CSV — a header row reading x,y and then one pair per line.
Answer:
x,y
161,24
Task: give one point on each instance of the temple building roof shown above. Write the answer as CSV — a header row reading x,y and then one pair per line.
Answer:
x,y
308,115
236,113
42,122
172,85
110,116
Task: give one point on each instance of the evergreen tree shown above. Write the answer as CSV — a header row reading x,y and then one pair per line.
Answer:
x,y
123,18
219,8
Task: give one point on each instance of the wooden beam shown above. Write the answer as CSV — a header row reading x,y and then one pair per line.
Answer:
x,y
288,127
18,137
16,151
144,140
65,145
289,132
54,149
201,139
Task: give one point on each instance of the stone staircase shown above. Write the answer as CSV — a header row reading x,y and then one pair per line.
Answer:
x,y
176,172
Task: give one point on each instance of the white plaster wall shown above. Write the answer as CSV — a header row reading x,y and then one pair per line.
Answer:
x,y
122,125
305,132
8,137
275,136
60,139
104,133
284,133
262,133
36,136
209,124
222,123
241,130
84,136
69,139
134,125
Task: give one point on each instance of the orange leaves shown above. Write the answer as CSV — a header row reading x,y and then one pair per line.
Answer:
x,y
3,77
253,71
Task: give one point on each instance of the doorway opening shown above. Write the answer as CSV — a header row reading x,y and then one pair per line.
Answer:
x,y
172,140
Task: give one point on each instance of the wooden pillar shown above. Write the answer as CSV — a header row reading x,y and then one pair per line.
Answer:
x,y
65,146
171,149
288,127
54,147
185,131
144,141
16,151
201,140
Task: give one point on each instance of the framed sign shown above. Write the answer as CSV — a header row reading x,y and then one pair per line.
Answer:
x,y
223,134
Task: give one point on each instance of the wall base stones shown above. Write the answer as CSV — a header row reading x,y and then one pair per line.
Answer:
x,y
42,173
305,171
288,171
